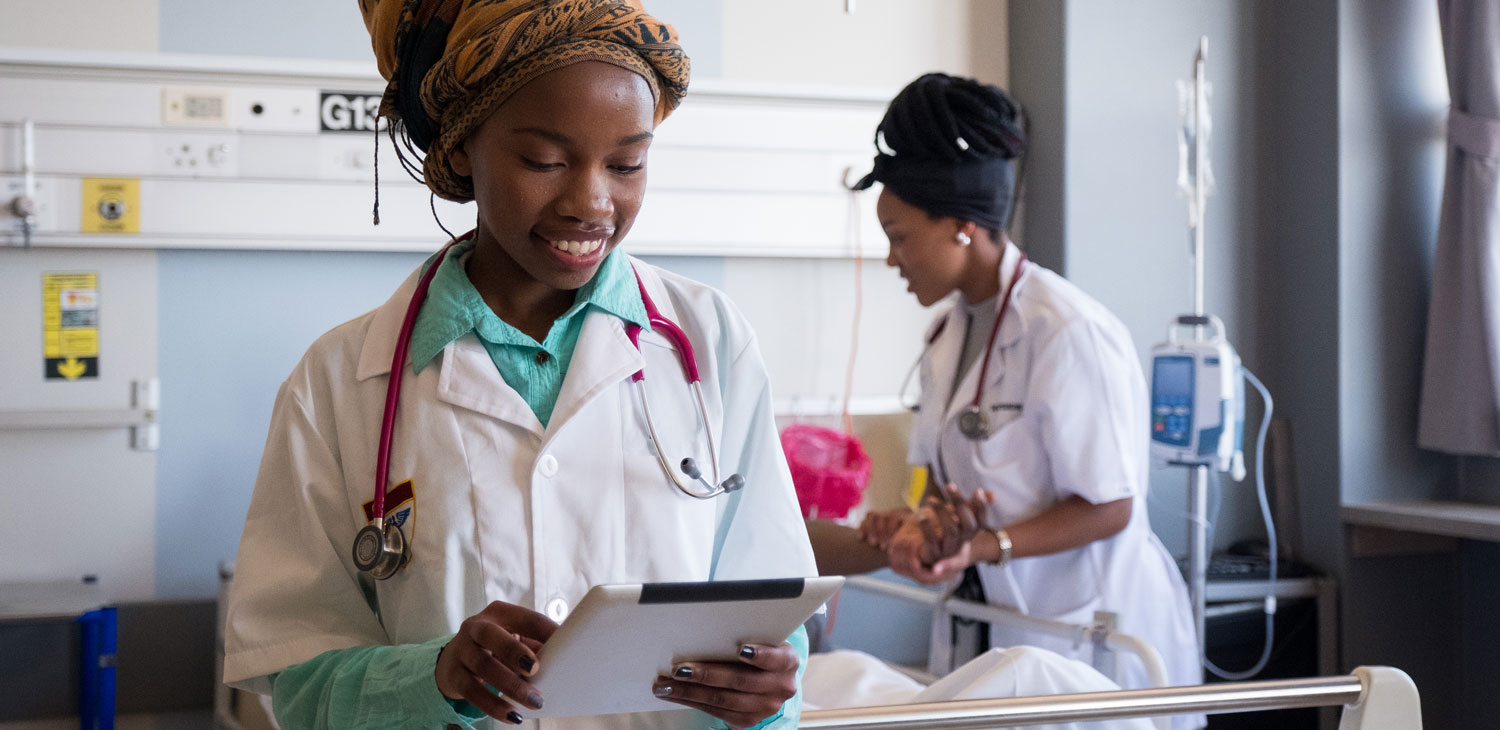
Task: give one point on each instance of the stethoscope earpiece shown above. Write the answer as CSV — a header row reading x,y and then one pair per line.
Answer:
x,y
380,550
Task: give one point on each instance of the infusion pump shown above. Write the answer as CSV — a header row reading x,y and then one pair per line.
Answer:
x,y
1197,398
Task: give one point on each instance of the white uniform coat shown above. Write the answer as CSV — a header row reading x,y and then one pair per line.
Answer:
x,y
1068,416
503,509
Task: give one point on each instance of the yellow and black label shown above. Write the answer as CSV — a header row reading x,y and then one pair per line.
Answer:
x,y
70,325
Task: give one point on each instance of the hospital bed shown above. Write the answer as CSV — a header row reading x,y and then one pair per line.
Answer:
x,y
1374,698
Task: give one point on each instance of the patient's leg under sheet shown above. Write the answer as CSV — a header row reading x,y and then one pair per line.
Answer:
x,y
855,679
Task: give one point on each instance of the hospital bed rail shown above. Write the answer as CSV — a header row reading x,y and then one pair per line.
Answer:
x,y
1374,698
1100,634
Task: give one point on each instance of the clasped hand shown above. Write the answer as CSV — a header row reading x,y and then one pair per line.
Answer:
x,y
934,542
499,646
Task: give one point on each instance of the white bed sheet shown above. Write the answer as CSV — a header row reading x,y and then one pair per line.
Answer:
x,y
844,678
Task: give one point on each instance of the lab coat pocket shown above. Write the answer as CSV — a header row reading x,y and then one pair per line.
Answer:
x,y
1006,461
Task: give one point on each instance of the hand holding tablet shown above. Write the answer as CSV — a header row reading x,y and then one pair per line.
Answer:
x,y
719,647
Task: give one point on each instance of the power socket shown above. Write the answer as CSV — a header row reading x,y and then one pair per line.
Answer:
x,y
196,155
351,157
274,109
194,107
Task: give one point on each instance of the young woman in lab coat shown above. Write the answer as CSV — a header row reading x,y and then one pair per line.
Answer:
x,y
522,471
1031,392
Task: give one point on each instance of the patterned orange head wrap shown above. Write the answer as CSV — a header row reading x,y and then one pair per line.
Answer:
x,y
449,64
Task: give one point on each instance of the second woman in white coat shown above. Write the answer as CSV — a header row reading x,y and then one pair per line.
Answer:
x,y
1031,392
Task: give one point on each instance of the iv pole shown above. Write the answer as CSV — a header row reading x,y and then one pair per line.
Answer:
x,y
1200,175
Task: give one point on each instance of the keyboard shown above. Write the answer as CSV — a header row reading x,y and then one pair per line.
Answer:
x,y
1246,567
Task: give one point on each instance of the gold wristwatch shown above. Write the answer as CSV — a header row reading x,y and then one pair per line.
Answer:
x,y
1003,538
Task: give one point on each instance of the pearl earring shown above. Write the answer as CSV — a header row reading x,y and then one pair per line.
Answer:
x,y
963,238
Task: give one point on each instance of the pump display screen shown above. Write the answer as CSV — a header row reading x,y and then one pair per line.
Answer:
x,y
1172,399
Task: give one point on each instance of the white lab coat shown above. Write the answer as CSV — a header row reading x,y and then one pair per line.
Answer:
x,y
502,508
1068,415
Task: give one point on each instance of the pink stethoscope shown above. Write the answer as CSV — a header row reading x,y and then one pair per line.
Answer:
x,y
381,550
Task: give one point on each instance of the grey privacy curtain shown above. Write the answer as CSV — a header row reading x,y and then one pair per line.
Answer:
x,y
1460,410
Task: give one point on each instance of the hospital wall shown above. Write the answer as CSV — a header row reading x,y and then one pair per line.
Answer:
x,y
1102,201
1328,148
216,399
1391,141
221,328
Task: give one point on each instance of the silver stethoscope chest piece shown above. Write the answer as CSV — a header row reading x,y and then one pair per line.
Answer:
x,y
380,550
973,424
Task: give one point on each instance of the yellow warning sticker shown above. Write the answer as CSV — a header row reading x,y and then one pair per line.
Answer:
x,y
70,325
111,205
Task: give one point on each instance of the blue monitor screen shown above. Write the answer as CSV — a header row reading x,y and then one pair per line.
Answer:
x,y
1172,377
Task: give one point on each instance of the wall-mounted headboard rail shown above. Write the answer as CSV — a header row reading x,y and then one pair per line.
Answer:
x,y
272,154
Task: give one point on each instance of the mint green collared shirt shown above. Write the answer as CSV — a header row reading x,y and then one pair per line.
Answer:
x,y
534,369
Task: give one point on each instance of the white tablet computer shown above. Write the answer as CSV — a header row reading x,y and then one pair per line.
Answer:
x,y
610,650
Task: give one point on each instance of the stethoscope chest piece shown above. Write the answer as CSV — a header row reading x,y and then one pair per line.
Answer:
x,y
973,424
380,551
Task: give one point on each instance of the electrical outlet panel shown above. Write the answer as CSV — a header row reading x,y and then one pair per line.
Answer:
x,y
274,109
194,107
352,157
196,155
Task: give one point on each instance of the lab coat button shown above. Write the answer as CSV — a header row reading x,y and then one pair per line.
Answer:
x,y
547,465
557,609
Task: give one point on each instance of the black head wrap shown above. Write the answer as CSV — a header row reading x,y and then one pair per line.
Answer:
x,y
951,147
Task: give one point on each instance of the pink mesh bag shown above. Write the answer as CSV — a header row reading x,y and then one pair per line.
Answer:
x,y
830,469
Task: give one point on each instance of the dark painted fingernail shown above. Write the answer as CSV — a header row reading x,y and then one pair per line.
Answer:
x,y
683,672
662,690
747,652
527,663
535,700
514,717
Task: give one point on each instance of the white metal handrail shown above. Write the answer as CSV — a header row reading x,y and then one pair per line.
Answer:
x,y
142,417
76,419
1376,698
1156,672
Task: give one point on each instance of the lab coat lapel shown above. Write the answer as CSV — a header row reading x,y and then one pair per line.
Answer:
x,y
1015,319
943,355
602,358
469,379
380,340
